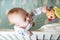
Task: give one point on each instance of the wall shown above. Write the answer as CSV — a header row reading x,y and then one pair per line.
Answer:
x,y
28,5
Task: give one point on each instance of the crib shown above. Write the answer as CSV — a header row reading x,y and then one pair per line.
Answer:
x,y
9,35
37,35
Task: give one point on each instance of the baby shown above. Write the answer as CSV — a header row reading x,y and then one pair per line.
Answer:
x,y
22,21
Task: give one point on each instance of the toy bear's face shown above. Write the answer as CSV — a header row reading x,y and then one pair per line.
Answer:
x,y
50,14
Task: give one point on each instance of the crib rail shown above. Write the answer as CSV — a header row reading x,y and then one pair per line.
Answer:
x,y
38,36
48,37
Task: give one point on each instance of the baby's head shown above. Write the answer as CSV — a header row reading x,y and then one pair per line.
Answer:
x,y
19,16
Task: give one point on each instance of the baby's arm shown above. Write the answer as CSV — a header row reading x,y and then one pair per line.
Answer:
x,y
35,12
28,27
39,11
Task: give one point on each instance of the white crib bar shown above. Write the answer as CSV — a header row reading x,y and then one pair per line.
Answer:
x,y
35,36
48,37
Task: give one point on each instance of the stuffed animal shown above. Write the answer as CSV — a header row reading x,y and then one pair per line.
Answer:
x,y
52,14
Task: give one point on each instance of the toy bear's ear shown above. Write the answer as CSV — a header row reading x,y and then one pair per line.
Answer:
x,y
48,11
51,7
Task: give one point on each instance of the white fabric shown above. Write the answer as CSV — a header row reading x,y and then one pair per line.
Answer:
x,y
23,32
37,11
55,27
28,27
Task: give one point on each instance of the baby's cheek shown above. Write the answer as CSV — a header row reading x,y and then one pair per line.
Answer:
x,y
11,21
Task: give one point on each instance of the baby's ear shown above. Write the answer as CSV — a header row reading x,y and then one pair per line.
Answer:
x,y
27,18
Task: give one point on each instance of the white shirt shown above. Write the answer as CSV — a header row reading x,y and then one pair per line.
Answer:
x,y
38,11
22,33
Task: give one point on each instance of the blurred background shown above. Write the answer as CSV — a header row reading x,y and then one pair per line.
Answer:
x,y
28,5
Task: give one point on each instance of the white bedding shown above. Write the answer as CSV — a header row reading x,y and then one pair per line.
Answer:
x,y
51,27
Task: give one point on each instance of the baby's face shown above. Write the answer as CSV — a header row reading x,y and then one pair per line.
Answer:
x,y
17,19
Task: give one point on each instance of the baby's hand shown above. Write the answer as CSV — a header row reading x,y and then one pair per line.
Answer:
x,y
30,32
44,9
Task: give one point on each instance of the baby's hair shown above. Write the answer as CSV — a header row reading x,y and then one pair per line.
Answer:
x,y
21,11
18,11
